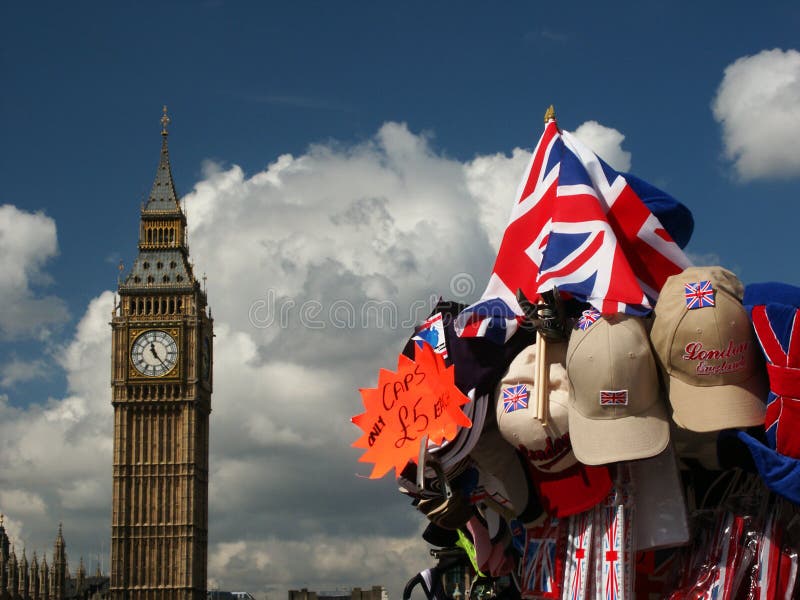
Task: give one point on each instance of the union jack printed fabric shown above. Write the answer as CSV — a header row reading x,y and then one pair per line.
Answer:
x,y
515,397
778,331
577,224
698,294
588,318
576,577
614,398
542,568
610,577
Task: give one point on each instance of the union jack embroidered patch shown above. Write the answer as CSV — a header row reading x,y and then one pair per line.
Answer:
x,y
614,398
588,318
698,294
515,397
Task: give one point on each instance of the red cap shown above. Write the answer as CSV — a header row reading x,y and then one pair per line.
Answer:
x,y
573,490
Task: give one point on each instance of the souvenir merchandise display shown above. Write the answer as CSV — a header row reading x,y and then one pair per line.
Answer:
x,y
607,420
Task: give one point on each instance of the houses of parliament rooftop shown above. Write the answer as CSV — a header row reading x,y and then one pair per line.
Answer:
x,y
20,580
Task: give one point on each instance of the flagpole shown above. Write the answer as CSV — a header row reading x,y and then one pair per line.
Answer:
x,y
542,374
542,378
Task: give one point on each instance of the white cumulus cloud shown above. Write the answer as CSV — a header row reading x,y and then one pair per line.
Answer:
x,y
758,106
606,142
16,370
27,242
318,267
55,455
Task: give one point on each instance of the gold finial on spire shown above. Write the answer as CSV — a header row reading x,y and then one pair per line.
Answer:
x,y
550,114
165,120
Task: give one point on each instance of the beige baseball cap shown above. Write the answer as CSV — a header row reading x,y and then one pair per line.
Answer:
x,y
564,485
547,444
702,336
616,406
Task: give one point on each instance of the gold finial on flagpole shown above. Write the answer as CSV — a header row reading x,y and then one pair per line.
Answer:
x,y
550,114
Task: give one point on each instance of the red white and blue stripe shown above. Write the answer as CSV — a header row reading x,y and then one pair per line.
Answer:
x,y
576,224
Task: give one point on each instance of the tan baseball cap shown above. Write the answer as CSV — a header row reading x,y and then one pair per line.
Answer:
x,y
702,336
616,408
564,485
547,443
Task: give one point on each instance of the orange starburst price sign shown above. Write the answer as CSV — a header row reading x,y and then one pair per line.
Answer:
x,y
419,399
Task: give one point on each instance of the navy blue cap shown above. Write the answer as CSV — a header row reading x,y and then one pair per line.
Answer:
x,y
674,216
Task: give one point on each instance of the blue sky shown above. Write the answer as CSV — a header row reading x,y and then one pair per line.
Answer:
x,y
395,110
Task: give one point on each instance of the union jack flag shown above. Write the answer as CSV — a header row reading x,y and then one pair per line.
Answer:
x,y
579,225
579,546
588,318
542,568
699,294
778,331
610,585
515,397
614,398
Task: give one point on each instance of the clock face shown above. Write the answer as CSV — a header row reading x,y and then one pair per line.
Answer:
x,y
154,353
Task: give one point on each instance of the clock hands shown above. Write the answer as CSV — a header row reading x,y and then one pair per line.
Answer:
x,y
154,353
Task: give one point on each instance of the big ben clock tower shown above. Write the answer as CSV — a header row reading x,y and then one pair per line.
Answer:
x,y
161,380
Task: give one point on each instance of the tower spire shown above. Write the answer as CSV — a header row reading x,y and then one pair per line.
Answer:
x,y
163,197
163,249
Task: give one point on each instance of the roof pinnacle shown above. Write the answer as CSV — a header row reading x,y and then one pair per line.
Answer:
x,y
163,197
165,120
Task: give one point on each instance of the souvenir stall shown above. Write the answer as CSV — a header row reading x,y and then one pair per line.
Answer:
x,y
608,420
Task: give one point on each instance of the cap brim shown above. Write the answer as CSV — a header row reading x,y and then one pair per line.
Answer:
x,y
604,441
573,490
451,455
713,408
